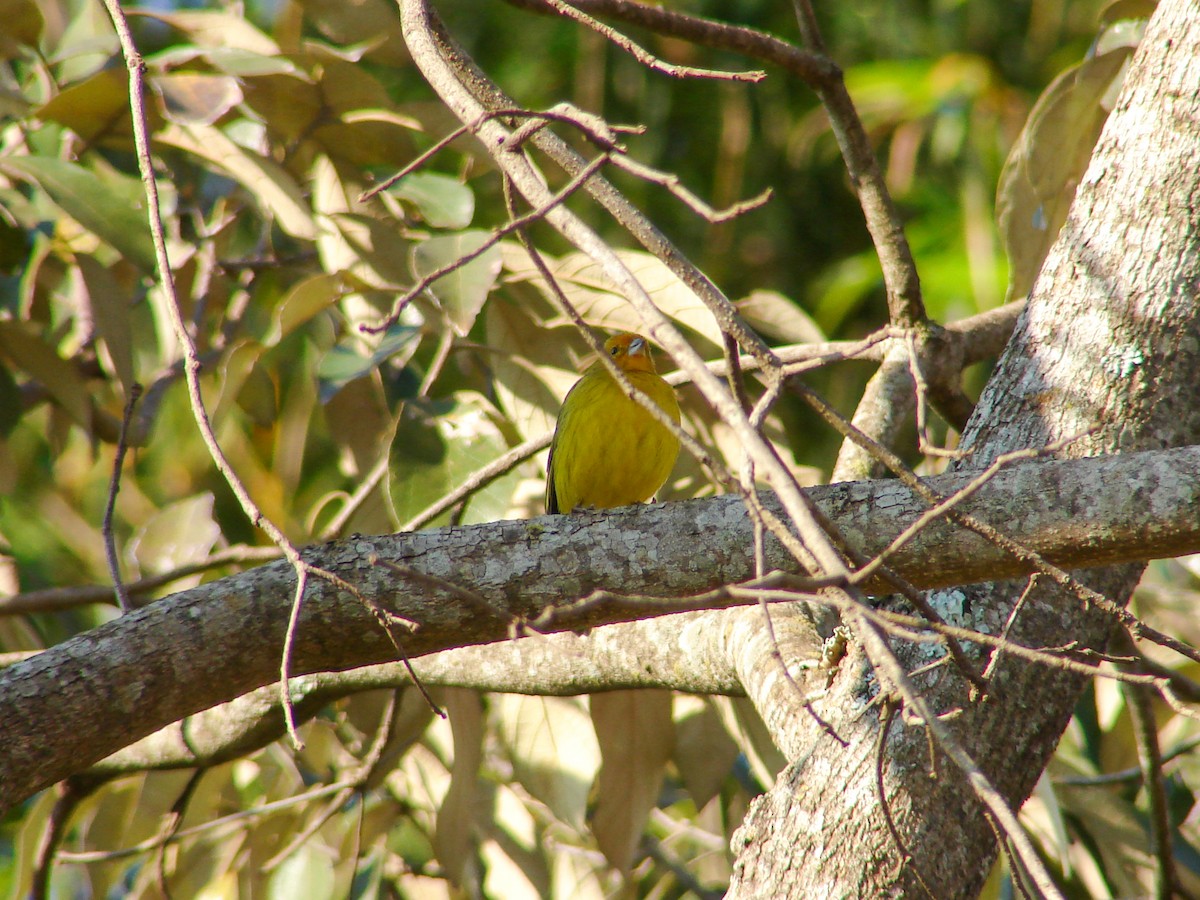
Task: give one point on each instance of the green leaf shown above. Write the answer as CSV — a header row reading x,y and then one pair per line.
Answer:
x,y
239,361
110,308
368,22
248,64
308,298
27,351
258,398
267,181
437,445
112,208
463,291
97,108
10,402
306,873
23,24
346,362
442,201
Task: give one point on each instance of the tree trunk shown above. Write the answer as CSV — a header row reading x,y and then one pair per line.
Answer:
x,y
1107,349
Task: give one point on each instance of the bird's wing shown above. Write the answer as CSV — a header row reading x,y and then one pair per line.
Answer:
x,y
551,493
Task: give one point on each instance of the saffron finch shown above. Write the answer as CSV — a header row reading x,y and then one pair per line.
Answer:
x,y
608,450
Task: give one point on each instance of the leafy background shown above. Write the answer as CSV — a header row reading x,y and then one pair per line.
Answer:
x,y
268,124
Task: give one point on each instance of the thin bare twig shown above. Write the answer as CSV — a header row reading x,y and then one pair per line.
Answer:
x,y
924,442
944,506
784,588
603,137
1133,774
114,485
675,186
136,66
153,843
478,480
362,772
58,599
812,68
71,793
355,501
888,666
471,598
645,57
170,827
425,281
806,20
906,856
285,658
1150,760
906,309
917,599
994,663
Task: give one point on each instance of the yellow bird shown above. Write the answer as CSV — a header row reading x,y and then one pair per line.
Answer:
x,y
608,450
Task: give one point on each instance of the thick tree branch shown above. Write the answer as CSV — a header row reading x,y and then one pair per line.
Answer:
x,y
121,681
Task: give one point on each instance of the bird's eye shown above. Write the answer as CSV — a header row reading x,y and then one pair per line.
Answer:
x,y
615,351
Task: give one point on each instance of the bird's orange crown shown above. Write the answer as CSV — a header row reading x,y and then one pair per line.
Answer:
x,y
631,352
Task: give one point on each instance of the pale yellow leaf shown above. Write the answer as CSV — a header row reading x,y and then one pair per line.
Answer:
x,y
197,98
534,366
349,240
455,839
594,295
576,877
304,300
636,735
553,750
774,315
743,722
704,752
1048,160
218,29
181,533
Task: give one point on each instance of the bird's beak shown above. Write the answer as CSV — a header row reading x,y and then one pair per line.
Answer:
x,y
637,347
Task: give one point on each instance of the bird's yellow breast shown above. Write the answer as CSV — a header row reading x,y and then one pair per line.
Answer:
x,y
608,449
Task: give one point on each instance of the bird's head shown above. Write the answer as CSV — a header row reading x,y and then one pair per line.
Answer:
x,y
631,352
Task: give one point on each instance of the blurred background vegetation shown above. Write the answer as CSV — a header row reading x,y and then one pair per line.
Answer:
x,y
269,121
